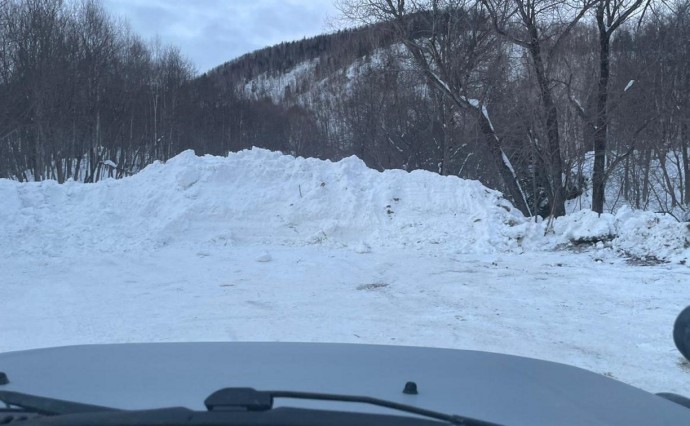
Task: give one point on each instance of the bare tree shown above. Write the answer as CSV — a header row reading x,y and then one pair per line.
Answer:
x,y
540,26
72,92
610,15
451,43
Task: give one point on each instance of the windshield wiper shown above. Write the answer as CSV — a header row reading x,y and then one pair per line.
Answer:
x,y
230,406
250,399
47,406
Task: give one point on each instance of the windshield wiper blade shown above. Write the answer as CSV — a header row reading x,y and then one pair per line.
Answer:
x,y
48,406
251,399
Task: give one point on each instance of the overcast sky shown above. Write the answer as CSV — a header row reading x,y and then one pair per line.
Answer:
x,y
211,32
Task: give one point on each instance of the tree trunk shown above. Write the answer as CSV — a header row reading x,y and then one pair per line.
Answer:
x,y
60,168
647,162
601,126
539,177
667,179
686,163
500,160
626,179
553,156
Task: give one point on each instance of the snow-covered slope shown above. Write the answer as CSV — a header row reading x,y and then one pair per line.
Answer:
x,y
302,85
276,87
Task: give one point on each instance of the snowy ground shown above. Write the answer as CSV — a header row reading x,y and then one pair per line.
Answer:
x,y
263,247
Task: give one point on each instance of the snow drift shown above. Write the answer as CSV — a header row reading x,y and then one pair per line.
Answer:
x,y
260,197
638,234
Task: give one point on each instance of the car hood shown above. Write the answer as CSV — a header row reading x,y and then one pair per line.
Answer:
x,y
500,388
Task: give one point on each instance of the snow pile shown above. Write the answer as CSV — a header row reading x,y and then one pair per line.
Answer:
x,y
649,235
259,197
635,233
586,226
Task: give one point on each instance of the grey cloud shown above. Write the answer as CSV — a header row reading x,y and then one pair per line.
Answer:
x,y
211,32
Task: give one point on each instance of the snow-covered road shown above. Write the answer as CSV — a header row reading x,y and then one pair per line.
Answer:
x,y
608,317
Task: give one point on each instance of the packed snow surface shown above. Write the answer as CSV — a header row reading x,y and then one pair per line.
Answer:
x,y
262,246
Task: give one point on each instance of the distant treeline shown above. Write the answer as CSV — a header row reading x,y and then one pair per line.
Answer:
x,y
77,89
335,51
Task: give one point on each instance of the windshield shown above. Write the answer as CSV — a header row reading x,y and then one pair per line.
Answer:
x,y
504,176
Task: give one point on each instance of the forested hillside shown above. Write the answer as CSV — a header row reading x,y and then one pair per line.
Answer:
x,y
545,101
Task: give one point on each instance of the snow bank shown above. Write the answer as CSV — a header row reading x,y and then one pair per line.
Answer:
x,y
586,226
650,235
640,234
259,197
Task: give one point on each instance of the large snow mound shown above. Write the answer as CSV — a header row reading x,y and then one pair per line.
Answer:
x,y
259,197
